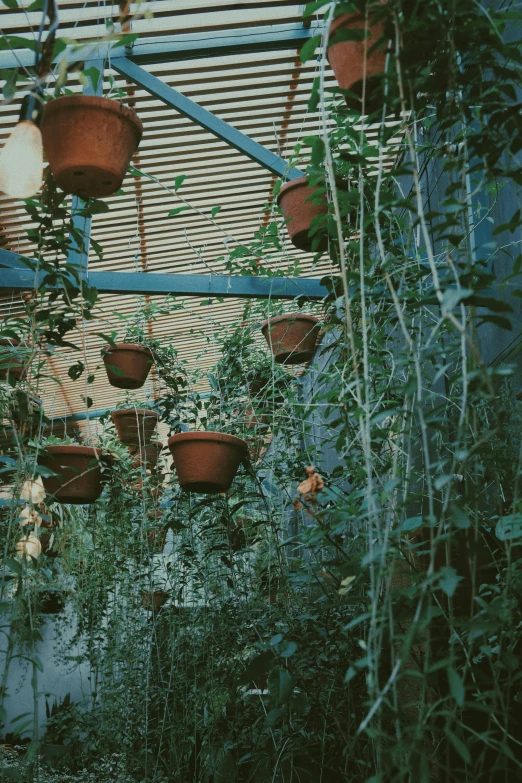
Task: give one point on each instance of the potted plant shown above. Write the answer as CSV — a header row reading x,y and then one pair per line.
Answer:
x,y
304,207
356,58
292,337
89,141
153,600
135,425
127,364
72,473
147,454
206,462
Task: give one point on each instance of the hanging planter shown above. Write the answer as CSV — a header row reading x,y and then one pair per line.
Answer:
x,y
354,62
206,462
299,206
148,455
292,337
78,470
127,364
153,601
255,421
52,601
11,364
89,142
135,426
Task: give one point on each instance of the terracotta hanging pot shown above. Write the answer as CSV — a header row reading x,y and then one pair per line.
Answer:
x,y
11,365
127,365
148,455
353,61
153,601
89,142
135,426
206,462
292,337
255,421
299,211
78,470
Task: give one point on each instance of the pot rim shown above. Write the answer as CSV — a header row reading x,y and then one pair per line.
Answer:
x,y
107,349
206,435
99,102
290,316
299,182
72,448
145,412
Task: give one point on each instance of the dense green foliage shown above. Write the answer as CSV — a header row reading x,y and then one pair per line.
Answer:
x,y
368,629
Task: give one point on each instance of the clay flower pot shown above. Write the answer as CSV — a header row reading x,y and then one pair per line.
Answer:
x,y
299,211
89,142
206,462
292,337
353,61
127,365
11,365
254,421
148,455
135,426
78,470
154,601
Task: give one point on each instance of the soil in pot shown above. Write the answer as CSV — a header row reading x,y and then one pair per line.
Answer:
x,y
148,455
78,470
11,364
206,462
89,142
299,207
353,61
127,365
292,337
135,426
154,601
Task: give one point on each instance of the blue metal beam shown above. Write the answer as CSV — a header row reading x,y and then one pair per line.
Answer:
x,y
205,119
163,284
161,49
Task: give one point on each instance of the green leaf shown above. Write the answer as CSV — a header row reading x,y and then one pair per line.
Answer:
x,y
286,649
177,211
178,181
17,42
411,524
459,746
448,580
75,370
276,639
308,48
126,40
456,686
509,527
9,88
280,685
460,518
13,565
214,211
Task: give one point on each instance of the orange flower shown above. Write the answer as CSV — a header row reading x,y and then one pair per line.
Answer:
x,y
311,485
